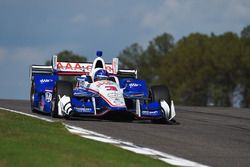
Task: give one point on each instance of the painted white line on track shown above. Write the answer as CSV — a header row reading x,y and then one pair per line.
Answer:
x,y
168,158
30,115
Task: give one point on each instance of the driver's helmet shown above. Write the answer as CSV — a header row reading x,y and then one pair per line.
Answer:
x,y
101,75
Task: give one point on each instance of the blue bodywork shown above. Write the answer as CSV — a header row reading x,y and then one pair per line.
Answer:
x,y
43,88
134,90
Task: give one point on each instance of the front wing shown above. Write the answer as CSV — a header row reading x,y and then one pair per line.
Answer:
x,y
89,107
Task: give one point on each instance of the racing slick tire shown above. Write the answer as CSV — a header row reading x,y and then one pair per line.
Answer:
x,y
62,88
158,93
32,93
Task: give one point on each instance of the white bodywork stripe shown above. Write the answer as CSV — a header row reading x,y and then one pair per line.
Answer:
x,y
166,108
94,104
64,105
138,108
168,158
60,112
169,113
172,110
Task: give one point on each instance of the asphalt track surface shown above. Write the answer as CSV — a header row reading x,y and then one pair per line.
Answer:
x,y
211,136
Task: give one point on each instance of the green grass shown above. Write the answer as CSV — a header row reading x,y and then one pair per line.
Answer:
x,y
25,141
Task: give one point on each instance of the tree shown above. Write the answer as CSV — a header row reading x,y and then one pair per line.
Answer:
x,y
199,69
245,33
226,58
152,57
186,70
245,63
68,56
148,61
130,57
162,44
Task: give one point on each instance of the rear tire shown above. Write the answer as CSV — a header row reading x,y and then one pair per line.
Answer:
x,y
158,93
62,88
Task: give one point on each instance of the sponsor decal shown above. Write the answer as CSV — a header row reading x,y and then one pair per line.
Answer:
x,y
69,66
48,97
113,95
85,110
109,69
111,88
100,83
46,80
150,112
118,101
64,66
134,85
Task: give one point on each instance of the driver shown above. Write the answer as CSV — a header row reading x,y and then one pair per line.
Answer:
x,y
101,75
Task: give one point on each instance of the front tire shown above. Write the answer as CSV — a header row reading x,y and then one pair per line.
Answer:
x,y
158,93
62,88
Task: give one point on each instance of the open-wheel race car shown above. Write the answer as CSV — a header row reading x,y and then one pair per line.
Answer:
x,y
99,88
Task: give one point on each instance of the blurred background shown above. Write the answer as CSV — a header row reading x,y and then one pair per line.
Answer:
x,y
199,49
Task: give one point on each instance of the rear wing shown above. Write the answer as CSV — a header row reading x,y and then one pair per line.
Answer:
x,y
64,68
69,68
74,69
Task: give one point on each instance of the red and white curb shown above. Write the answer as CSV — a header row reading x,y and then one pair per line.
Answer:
x,y
168,158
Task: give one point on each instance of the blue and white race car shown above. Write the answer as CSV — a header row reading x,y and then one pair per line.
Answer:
x,y
99,88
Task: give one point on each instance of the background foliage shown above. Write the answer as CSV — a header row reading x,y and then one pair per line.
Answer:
x,y
199,69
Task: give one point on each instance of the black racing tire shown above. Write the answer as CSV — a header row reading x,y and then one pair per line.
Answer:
x,y
62,88
32,93
158,93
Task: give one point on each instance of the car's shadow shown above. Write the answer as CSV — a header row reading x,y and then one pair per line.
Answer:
x,y
123,120
111,117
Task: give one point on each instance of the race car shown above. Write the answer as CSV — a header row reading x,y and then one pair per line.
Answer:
x,y
98,88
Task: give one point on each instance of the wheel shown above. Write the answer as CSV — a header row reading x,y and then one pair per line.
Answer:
x,y
158,93
32,94
62,88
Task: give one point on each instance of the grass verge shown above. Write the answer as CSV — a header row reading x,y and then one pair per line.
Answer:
x,y
25,141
